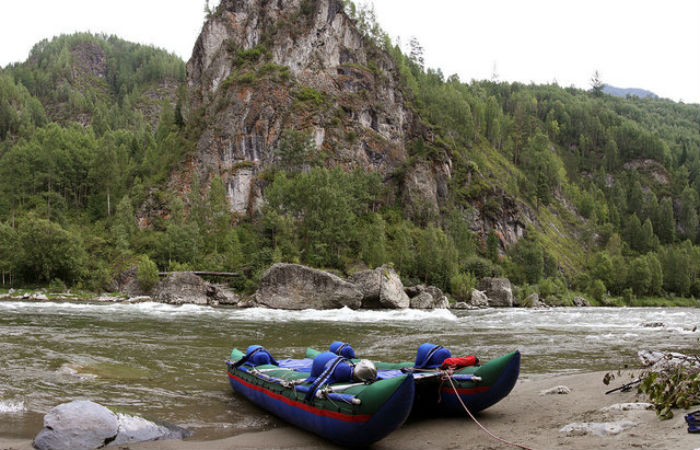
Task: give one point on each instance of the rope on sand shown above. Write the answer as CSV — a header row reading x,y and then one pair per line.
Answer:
x,y
524,447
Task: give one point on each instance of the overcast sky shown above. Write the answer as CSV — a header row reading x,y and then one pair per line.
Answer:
x,y
649,44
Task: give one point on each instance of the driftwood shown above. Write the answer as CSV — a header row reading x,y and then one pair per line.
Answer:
x,y
206,274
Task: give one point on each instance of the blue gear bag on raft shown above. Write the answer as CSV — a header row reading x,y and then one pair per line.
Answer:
x,y
431,356
342,349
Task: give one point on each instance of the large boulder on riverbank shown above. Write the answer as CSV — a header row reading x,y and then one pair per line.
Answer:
x,y
427,297
186,287
498,291
128,283
381,288
86,425
479,299
293,286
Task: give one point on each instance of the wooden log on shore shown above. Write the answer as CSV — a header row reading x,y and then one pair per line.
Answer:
x,y
206,274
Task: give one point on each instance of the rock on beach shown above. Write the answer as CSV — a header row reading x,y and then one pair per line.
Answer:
x,y
86,425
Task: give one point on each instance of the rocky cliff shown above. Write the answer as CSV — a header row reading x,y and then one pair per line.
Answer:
x,y
262,68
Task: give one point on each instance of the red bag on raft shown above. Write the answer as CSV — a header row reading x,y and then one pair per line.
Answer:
x,y
459,363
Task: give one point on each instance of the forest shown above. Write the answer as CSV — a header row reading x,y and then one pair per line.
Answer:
x,y
613,184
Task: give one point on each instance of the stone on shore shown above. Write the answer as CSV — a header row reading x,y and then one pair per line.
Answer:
x,y
532,301
427,297
78,425
422,301
86,425
186,287
580,301
479,299
621,407
381,288
561,390
293,286
498,291
597,428
128,283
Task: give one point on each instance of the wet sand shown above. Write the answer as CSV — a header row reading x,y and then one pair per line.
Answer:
x,y
526,417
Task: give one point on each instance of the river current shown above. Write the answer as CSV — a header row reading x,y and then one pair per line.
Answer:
x,y
168,361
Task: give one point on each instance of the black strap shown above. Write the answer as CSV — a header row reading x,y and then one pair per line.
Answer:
x,y
340,349
323,378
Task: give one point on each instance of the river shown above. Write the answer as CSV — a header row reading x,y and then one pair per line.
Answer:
x,y
167,361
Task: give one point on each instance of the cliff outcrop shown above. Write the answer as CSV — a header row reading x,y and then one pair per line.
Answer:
x,y
262,71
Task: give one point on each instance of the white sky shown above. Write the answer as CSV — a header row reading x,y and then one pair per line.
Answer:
x,y
649,44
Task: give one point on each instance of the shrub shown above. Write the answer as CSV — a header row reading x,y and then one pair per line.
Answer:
x,y
481,267
461,285
147,273
308,94
57,285
598,290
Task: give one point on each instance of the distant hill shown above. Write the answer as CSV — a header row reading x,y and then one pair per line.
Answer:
x,y
624,92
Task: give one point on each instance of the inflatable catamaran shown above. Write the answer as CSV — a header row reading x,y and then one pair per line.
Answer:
x,y
354,401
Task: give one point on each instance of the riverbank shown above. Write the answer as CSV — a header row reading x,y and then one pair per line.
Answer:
x,y
526,416
43,294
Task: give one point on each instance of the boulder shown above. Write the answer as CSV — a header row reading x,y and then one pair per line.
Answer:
x,y
532,301
128,283
498,291
580,301
137,429
85,425
381,288
184,287
412,291
422,301
78,425
440,301
293,286
226,296
460,305
479,299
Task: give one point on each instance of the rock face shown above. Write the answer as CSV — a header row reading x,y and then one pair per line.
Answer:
x,y
85,425
292,286
498,291
186,287
262,68
381,288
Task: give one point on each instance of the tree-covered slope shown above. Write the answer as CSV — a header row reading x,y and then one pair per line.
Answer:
x,y
557,188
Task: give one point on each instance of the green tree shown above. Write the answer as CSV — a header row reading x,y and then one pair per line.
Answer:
x,y
667,223
124,224
8,251
147,273
527,261
640,276
596,84
48,251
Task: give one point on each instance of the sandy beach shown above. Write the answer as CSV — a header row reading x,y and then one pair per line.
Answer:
x,y
526,417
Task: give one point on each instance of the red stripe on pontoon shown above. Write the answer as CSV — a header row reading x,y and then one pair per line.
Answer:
x,y
304,406
466,391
